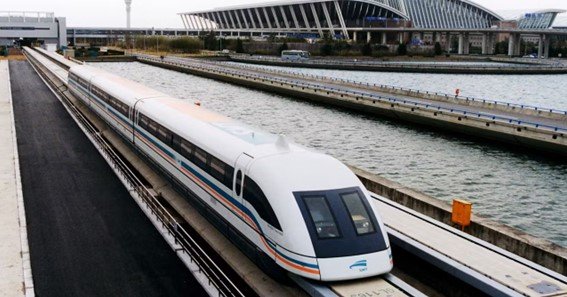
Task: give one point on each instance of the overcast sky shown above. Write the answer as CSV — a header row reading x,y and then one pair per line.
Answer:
x,y
163,13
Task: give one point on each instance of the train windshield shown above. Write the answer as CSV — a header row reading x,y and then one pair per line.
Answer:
x,y
358,213
340,222
323,219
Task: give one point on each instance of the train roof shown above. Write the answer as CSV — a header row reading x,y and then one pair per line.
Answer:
x,y
128,91
207,128
212,129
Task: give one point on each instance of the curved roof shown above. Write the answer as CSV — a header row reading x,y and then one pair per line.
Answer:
x,y
296,2
491,12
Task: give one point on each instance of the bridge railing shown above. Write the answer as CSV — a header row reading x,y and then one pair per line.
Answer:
x,y
410,90
393,64
209,67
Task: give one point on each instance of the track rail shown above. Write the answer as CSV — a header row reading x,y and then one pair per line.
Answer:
x,y
470,275
387,283
188,245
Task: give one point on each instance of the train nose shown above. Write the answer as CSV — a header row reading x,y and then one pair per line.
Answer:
x,y
345,268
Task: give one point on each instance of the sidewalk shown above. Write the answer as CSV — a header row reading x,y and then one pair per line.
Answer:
x,y
15,269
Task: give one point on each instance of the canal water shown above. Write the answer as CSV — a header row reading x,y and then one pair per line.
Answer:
x,y
525,191
548,91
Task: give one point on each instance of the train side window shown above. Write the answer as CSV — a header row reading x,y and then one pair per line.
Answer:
x,y
164,135
228,174
217,169
200,158
254,195
322,217
152,127
358,213
176,143
143,122
187,149
238,185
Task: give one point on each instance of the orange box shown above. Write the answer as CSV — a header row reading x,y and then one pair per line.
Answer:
x,y
461,212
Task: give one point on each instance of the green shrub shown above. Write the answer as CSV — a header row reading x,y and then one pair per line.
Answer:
x,y
438,49
366,50
402,49
186,45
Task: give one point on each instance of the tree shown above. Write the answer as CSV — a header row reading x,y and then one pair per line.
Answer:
x,y
283,47
239,46
402,49
366,50
326,49
438,49
210,40
186,45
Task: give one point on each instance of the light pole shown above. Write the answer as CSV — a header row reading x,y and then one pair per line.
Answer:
x,y
128,9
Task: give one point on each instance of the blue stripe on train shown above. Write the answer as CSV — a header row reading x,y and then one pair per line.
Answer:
x,y
199,176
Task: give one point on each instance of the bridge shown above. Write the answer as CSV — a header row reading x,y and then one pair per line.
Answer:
x,y
528,126
476,266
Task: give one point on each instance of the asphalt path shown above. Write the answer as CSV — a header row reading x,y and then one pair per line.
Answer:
x,y
87,236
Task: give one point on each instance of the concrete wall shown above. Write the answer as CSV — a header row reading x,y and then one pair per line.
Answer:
x,y
47,30
520,243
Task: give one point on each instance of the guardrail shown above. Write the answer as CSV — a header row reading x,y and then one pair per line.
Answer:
x,y
400,65
391,87
208,67
198,256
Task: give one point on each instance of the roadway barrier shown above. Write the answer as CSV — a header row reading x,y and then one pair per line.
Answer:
x,y
403,67
502,128
438,96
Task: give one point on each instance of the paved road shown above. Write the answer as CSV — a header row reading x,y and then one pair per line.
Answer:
x,y
87,236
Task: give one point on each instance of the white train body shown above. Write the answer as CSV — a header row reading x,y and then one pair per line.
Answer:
x,y
304,210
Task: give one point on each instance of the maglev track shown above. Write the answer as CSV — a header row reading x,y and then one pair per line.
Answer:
x,y
453,276
387,284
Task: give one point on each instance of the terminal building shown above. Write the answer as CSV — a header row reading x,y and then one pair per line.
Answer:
x,y
23,28
385,21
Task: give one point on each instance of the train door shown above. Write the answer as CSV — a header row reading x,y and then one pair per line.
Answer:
x,y
240,169
134,116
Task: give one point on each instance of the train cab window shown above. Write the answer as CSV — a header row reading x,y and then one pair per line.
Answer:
x,y
322,217
358,213
238,185
254,195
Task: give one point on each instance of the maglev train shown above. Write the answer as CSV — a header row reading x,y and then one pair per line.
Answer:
x,y
285,205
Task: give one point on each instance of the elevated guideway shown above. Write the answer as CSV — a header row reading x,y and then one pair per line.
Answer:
x,y
532,127
483,266
184,213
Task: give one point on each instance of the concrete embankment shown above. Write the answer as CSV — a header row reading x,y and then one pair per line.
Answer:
x,y
504,131
535,249
401,67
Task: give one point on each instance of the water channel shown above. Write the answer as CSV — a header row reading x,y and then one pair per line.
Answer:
x,y
522,190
